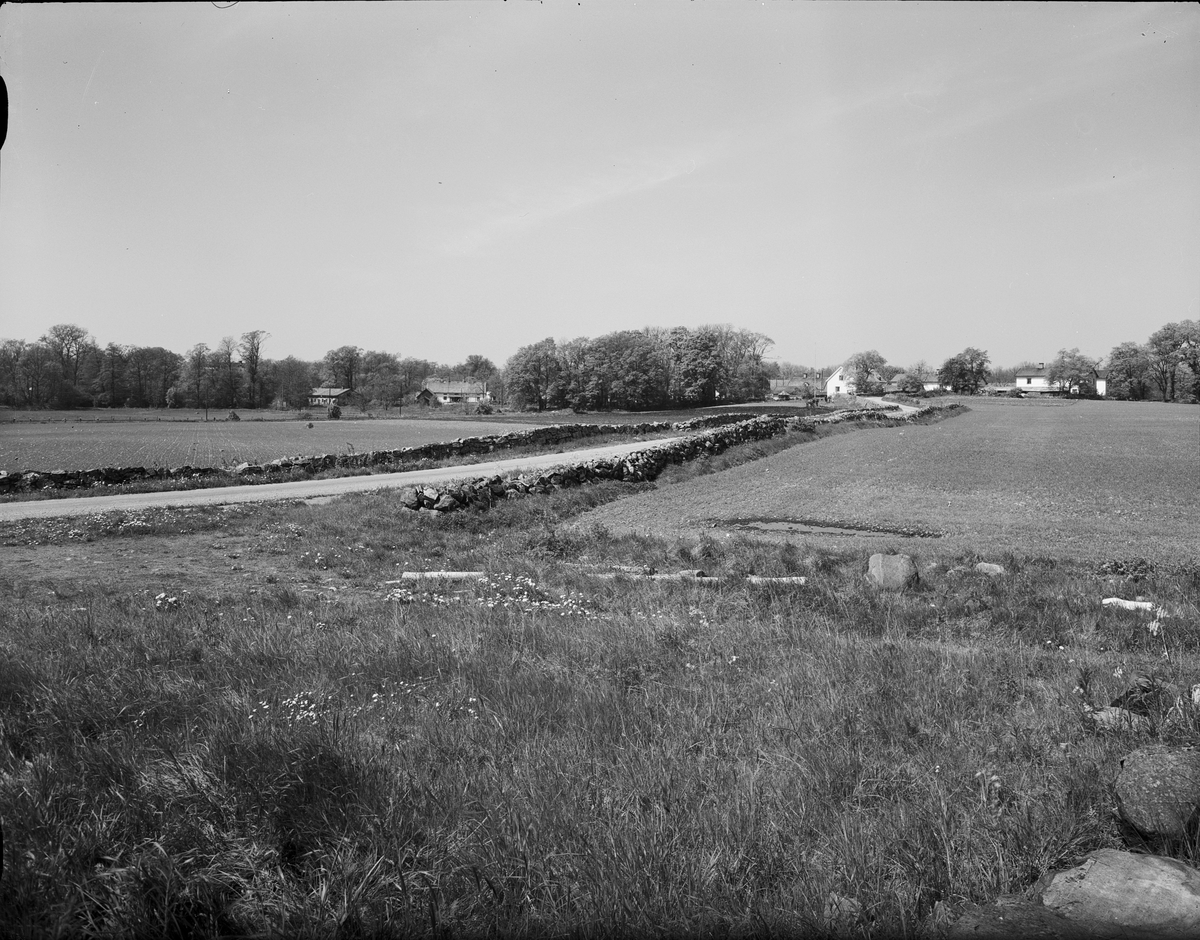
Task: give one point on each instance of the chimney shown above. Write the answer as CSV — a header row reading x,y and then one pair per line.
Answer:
x,y
1041,365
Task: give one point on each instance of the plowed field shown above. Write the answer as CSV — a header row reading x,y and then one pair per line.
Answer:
x,y
85,444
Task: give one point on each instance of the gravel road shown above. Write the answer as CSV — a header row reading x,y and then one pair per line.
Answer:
x,y
307,489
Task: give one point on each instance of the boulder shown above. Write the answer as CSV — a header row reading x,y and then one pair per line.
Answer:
x,y
447,504
993,571
1111,718
1158,790
892,572
1119,894
409,498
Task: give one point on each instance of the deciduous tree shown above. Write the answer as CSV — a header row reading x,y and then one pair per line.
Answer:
x,y
294,381
341,366
967,372
1129,372
1073,371
866,370
532,372
250,349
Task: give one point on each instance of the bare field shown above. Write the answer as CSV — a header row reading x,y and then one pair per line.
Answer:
x,y
83,444
1081,479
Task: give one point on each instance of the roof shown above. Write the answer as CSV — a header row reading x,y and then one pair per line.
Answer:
x,y
1032,372
327,392
454,387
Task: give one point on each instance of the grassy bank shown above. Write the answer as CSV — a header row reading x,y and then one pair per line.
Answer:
x,y
544,752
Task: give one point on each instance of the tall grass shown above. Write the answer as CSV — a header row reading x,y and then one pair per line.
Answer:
x,y
544,753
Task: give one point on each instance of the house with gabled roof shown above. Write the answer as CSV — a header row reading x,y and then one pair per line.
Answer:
x,y
1034,381
453,391
842,382
327,396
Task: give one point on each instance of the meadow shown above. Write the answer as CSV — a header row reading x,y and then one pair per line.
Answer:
x,y
1082,478
235,722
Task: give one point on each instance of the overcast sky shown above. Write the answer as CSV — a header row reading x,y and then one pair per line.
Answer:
x,y
437,180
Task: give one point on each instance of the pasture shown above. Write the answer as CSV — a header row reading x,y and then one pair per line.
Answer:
x,y
1057,478
237,721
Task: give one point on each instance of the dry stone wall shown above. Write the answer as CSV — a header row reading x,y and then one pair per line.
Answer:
x,y
638,467
544,436
718,432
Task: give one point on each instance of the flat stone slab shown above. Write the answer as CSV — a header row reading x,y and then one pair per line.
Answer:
x,y
1119,894
892,572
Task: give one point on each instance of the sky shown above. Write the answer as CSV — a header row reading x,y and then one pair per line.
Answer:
x,y
446,179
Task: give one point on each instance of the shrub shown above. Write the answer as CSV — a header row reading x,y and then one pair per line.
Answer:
x,y
335,412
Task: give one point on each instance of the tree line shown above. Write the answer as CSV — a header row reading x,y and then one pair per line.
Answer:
x,y
1165,367
641,370
67,368
632,370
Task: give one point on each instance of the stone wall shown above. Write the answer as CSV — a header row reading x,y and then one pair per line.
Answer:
x,y
637,467
718,432
544,436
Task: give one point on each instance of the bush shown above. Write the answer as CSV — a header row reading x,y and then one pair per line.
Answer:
x,y
335,412
233,416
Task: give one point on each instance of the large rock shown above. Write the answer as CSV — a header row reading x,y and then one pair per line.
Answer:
x,y
1119,894
1158,790
1114,718
892,572
991,570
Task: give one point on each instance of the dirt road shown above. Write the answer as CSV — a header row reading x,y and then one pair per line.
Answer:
x,y
307,489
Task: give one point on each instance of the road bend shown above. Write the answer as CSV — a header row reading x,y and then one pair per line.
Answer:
x,y
309,489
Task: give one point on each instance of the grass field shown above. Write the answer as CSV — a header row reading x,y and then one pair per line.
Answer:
x,y
226,722
1081,479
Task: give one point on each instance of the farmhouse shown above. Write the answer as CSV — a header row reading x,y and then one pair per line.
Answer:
x,y
453,391
327,396
842,382
1035,381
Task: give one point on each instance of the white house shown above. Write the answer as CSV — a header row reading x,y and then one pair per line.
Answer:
x,y
840,382
1033,380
